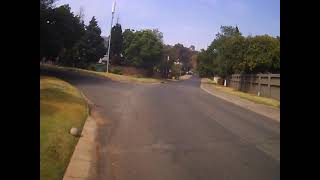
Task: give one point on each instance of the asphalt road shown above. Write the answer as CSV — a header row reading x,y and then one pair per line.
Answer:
x,y
177,131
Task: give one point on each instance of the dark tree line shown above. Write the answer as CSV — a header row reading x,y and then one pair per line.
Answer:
x,y
65,39
145,49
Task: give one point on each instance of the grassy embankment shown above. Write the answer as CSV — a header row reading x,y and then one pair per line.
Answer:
x,y
61,108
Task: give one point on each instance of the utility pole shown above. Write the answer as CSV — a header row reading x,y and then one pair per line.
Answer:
x,y
118,19
108,55
180,65
167,73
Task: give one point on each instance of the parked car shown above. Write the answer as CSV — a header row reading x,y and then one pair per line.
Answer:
x,y
189,73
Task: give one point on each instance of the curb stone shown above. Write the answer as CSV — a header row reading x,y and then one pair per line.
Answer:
x,y
84,157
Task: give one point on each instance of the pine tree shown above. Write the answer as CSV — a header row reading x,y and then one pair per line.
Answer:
x,y
91,47
116,43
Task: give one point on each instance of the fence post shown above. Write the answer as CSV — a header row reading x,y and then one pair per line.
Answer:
x,y
238,81
269,84
259,85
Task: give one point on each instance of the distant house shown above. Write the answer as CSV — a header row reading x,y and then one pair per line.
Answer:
x,y
103,60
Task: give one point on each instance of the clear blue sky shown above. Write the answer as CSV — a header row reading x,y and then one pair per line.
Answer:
x,y
190,22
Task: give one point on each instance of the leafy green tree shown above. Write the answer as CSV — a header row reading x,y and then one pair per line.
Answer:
x,y
59,30
69,28
205,65
158,34
229,56
194,61
128,36
144,50
263,55
184,55
48,46
176,70
222,55
228,31
166,64
176,53
230,53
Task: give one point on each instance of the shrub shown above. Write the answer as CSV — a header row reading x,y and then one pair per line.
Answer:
x,y
116,70
92,67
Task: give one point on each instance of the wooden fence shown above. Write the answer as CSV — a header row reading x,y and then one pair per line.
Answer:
x,y
266,85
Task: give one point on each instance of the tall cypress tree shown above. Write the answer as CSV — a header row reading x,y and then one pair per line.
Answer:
x,y
91,47
116,47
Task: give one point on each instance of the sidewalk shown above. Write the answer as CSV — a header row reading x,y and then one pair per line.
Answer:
x,y
261,109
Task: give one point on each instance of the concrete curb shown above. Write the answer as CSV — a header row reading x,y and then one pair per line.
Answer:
x,y
84,157
261,109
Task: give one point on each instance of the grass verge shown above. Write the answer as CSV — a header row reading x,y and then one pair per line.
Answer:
x,y
247,96
112,76
61,107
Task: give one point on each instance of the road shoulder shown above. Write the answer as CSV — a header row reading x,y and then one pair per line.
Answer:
x,y
268,111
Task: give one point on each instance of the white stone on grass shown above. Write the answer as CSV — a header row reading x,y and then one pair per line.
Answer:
x,y
74,131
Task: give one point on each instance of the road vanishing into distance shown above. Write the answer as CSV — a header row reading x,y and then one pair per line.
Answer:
x,y
177,131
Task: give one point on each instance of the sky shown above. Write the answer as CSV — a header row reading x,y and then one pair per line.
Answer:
x,y
189,22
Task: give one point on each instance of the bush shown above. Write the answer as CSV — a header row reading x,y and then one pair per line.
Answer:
x,y
101,67
97,67
116,70
230,53
92,67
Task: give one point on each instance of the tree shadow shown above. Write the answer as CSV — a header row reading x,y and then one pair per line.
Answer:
x,y
77,78
66,75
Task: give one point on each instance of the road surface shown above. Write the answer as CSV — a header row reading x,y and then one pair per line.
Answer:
x,y
177,131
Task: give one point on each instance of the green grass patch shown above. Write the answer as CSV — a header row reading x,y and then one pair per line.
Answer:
x,y
248,96
116,77
61,107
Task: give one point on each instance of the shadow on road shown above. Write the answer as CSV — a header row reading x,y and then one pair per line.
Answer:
x,y
76,78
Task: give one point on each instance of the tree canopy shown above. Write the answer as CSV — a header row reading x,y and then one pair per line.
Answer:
x,y
90,48
65,39
142,48
230,52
